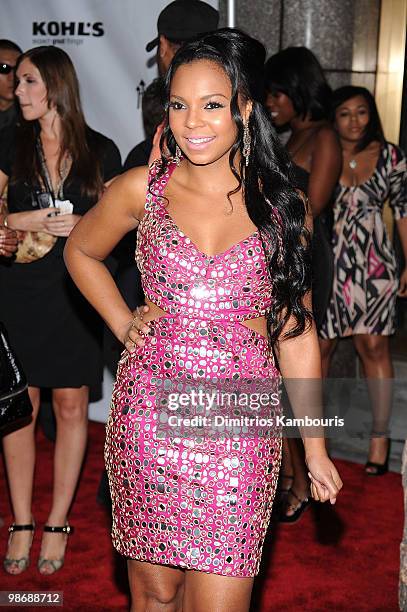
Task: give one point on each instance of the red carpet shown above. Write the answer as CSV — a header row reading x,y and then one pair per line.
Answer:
x,y
343,558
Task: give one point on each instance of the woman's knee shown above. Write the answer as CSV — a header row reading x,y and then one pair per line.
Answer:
x,y
35,398
327,348
165,596
373,348
154,589
70,407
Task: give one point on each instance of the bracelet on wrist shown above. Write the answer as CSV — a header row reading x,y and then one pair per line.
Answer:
x,y
5,221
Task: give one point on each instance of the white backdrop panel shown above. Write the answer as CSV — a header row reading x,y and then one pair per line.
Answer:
x,y
106,40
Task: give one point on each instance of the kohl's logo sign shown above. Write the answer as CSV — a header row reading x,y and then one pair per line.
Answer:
x,y
67,28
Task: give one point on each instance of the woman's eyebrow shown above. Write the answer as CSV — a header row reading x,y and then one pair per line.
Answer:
x,y
202,97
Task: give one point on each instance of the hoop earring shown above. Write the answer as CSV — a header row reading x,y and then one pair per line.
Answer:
x,y
247,141
178,154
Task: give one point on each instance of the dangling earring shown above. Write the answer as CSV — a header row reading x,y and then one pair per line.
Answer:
x,y
178,154
247,141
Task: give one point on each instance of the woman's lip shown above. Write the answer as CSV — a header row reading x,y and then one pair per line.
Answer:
x,y
199,142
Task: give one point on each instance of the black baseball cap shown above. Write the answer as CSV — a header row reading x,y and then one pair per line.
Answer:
x,y
184,20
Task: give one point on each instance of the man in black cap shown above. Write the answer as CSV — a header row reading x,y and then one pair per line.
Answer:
x,y
180,21
9,53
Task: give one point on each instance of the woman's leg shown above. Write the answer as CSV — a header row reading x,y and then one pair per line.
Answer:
x,y
327,348
213,593
71,412
155,588
374,353
299,490
287,470
19,454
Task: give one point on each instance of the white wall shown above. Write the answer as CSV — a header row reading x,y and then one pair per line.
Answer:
x,y
110,66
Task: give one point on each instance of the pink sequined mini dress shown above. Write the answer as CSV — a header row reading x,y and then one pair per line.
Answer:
x,y
193,503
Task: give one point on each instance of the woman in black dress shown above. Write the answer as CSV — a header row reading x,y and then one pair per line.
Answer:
x,y
298,95
55,167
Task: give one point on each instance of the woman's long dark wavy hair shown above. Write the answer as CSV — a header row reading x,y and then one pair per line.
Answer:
x,y
296,72
61,82
373,130
272,203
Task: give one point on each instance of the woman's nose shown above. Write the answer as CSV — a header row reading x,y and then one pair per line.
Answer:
x,y
193,118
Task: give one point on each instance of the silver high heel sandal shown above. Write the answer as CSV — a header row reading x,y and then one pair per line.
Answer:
x,y
20,564
53,564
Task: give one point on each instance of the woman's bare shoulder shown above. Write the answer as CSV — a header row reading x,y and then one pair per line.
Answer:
x,y
131,186
135,180
326,135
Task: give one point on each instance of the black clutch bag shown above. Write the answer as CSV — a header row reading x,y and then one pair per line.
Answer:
x,y
15,405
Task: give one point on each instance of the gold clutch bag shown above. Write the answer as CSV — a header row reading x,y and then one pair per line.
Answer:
x,y
31,245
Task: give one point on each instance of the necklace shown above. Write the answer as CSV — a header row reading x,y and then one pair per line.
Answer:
x,y
352,163
56,192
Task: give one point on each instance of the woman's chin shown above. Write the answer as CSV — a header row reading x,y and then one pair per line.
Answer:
x,y
204,158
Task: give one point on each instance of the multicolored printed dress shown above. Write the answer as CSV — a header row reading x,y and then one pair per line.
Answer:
x,y
198,503
365,285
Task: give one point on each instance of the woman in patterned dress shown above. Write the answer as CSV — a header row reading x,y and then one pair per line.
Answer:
x,y
366,282
222,248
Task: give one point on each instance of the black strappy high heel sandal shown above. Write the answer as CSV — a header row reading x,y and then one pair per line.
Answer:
x,y
379,469
282,492
20,564
298,509
53,564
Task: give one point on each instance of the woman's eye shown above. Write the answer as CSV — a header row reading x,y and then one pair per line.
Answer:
x,y
176,105
213,105
30,81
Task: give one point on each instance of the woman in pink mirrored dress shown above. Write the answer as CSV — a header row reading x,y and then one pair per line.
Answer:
x,y
223,254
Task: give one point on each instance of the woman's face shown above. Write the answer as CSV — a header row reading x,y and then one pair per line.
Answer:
x,y
281,108
351,118
31,91
200,117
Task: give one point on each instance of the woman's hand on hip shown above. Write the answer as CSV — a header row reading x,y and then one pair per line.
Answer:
x,y
137,330
60,225
8,242
325,480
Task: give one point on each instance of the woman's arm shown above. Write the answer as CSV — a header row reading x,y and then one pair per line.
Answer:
x,y
326,167
402,230
3,182
299,360
32,220
94,237
398,203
